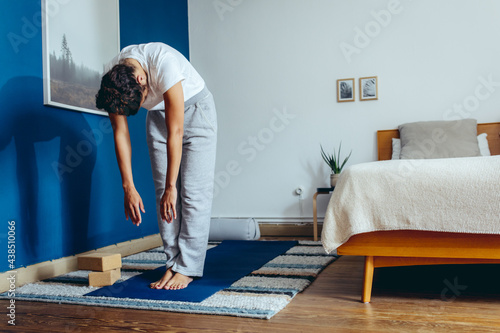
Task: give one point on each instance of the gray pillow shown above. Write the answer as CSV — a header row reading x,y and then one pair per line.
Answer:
x,y
439,139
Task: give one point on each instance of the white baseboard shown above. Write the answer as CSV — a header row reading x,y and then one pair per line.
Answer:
x,y
52,268
285,226
288,229
277,220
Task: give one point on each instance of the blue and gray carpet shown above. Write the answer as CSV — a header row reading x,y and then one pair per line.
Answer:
x,y
260,294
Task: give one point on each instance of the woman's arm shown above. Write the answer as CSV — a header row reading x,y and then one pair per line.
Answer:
x,y
174,120
123,149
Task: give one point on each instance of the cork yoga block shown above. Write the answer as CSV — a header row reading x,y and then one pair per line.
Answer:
x,y
101,279
99,261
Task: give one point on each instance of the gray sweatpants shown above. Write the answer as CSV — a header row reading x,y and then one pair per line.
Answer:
x,y
185,239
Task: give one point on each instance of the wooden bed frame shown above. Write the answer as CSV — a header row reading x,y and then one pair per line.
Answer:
x,y
410,247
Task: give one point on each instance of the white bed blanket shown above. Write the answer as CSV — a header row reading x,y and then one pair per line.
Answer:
x,y
451,195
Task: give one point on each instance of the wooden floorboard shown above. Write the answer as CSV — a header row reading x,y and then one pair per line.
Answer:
x,y
407,299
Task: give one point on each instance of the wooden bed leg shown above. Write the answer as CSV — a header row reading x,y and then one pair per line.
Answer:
x,y
368,280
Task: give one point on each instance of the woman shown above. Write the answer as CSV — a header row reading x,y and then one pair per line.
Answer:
x,y
181,135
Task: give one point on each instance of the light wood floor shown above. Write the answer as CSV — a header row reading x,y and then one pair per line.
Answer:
x,y
405,299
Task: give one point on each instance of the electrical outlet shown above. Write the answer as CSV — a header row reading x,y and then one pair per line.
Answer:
x,y
299,190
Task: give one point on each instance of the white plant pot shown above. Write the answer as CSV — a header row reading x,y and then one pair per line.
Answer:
x,y
333,179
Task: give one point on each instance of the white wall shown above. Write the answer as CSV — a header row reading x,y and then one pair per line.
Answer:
x,y
264,57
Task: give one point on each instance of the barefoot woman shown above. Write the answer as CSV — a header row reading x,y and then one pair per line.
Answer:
x,y
181,135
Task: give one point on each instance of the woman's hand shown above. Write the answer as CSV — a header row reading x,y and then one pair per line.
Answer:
x,y
167,204
133,205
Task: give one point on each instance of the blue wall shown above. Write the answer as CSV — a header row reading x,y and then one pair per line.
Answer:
x,y
83,209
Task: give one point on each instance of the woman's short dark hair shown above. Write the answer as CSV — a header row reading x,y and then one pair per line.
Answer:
x,y
120,92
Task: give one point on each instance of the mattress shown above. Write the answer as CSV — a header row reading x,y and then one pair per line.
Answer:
x,y
448,195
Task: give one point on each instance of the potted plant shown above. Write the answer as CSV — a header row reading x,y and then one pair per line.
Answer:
x,y
334,163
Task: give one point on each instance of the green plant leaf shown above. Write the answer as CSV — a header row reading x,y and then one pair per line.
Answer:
x,y
345,161
333,160
338,156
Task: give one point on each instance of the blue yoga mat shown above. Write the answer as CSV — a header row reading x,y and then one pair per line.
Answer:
x,y
224,264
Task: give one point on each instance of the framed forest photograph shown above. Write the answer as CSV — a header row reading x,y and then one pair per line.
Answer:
x,y
79,37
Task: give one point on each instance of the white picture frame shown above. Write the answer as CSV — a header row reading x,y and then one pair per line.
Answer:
x,y
79,37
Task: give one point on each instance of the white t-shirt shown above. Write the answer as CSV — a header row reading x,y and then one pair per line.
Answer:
x,y
165,66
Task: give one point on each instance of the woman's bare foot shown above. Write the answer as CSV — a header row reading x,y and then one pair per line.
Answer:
x,y
161,283
179,281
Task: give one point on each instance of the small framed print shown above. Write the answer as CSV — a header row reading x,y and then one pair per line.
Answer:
x,y
368,88
345,90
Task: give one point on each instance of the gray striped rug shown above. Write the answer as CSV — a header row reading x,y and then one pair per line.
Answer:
x,y
261,294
